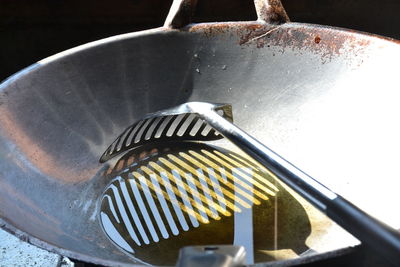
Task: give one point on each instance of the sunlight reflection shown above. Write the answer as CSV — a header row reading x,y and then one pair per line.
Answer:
x,y
181,194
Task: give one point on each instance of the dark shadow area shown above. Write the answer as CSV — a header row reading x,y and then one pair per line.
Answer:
x,y
224,10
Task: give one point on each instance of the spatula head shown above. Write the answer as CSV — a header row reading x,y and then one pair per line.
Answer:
x,y
180,123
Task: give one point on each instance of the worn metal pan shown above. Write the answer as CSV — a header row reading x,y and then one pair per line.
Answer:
x,y
326,99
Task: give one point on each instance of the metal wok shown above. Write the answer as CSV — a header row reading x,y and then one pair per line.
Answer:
x,y
324,98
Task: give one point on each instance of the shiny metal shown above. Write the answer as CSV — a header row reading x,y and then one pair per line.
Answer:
x,y
175,124
212,256
383,239
380,237
180,194
188,122
325,98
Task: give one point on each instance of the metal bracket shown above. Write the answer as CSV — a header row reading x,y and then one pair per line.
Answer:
x,y
268,11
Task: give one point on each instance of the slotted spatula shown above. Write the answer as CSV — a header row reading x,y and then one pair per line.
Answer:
x,y
199,121
176,124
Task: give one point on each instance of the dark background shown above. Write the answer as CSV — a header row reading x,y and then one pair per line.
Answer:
x,y
34,29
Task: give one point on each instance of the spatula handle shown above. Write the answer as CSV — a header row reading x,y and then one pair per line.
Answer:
x,y
378,236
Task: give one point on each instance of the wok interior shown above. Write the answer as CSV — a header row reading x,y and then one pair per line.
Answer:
x,y
309,102
184,193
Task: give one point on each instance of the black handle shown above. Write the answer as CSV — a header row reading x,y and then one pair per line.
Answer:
x,y
371,232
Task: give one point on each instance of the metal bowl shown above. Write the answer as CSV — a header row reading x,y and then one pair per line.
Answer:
x,y
325,98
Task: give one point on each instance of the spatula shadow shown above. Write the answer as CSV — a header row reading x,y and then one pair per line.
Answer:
x,y
164,197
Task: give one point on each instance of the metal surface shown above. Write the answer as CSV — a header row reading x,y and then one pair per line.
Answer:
x,y
181,194
213,256
380,237
318,90
165,126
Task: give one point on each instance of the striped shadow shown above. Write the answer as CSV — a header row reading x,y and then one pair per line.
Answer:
x,y
159,193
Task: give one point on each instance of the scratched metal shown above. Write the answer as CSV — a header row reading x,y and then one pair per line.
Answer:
x,y
325,98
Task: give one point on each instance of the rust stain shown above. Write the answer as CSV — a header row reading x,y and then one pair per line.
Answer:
x,y
326,41
302,38
215,29
253,35
209,31
37,156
